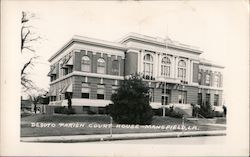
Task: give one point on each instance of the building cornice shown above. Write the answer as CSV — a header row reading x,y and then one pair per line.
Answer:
x,y
90,41
161,42
81,73
207,64
210,87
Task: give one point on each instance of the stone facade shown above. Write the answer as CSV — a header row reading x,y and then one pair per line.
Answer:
x,y
90,70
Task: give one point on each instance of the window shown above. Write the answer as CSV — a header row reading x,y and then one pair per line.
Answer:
x,y
199,98
86,65
216,100
182,97
162,100
182,70
60,68
151,95
85,90
207,81
53,98
115,67
148,65
101,66
165,67
100,91
167,91
207,99
216,81
199,77
85,95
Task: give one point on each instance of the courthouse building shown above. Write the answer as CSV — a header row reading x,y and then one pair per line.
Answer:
x,y
90,70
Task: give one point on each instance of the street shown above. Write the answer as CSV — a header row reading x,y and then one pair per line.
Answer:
x,y
180,141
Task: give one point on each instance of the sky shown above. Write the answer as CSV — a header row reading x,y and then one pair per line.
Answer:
x,y
216,27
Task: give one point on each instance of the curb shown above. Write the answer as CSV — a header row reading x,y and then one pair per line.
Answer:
x,y
107,137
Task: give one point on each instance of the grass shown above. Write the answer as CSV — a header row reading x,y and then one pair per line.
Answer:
x,y
28,131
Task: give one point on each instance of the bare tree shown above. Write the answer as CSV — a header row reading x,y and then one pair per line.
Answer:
x,y
35,95
28,39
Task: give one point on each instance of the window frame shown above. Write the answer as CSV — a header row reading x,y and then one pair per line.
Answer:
x,y
207,79
85,86
182,70
101,66
148,64
216,81
216,103
86,63
166,67
101,88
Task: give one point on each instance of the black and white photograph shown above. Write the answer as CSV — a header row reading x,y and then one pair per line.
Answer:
x,y
125,78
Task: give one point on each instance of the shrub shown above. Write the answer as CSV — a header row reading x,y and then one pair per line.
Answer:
x,y
91,112
158,112
172,113
168,112
206,110
64,110
218,114
131,102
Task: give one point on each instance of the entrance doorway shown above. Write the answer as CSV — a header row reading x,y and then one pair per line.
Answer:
x,y
166,99
182,97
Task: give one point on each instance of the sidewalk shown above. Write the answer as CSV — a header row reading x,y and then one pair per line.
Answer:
x,y
222,125
107,137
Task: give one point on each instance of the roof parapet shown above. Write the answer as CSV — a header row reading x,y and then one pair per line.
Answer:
x,y
160,41
87,40
210,63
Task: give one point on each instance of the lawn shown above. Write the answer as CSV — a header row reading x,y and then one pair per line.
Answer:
x,y
93,120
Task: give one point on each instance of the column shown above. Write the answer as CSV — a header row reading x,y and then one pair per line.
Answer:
x,y
155,65
159,64
191,71
188,70
141,61
176,67
172,68
109,65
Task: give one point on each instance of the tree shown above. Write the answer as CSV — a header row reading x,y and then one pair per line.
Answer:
x,y
35,96
28,39
131,102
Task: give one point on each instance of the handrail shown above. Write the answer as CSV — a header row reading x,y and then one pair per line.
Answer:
x,y
200,116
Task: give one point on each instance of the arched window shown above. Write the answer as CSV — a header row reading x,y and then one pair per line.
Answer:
x,y
86,65
216,81
207,81
148,65
101,66
182,69
165,66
